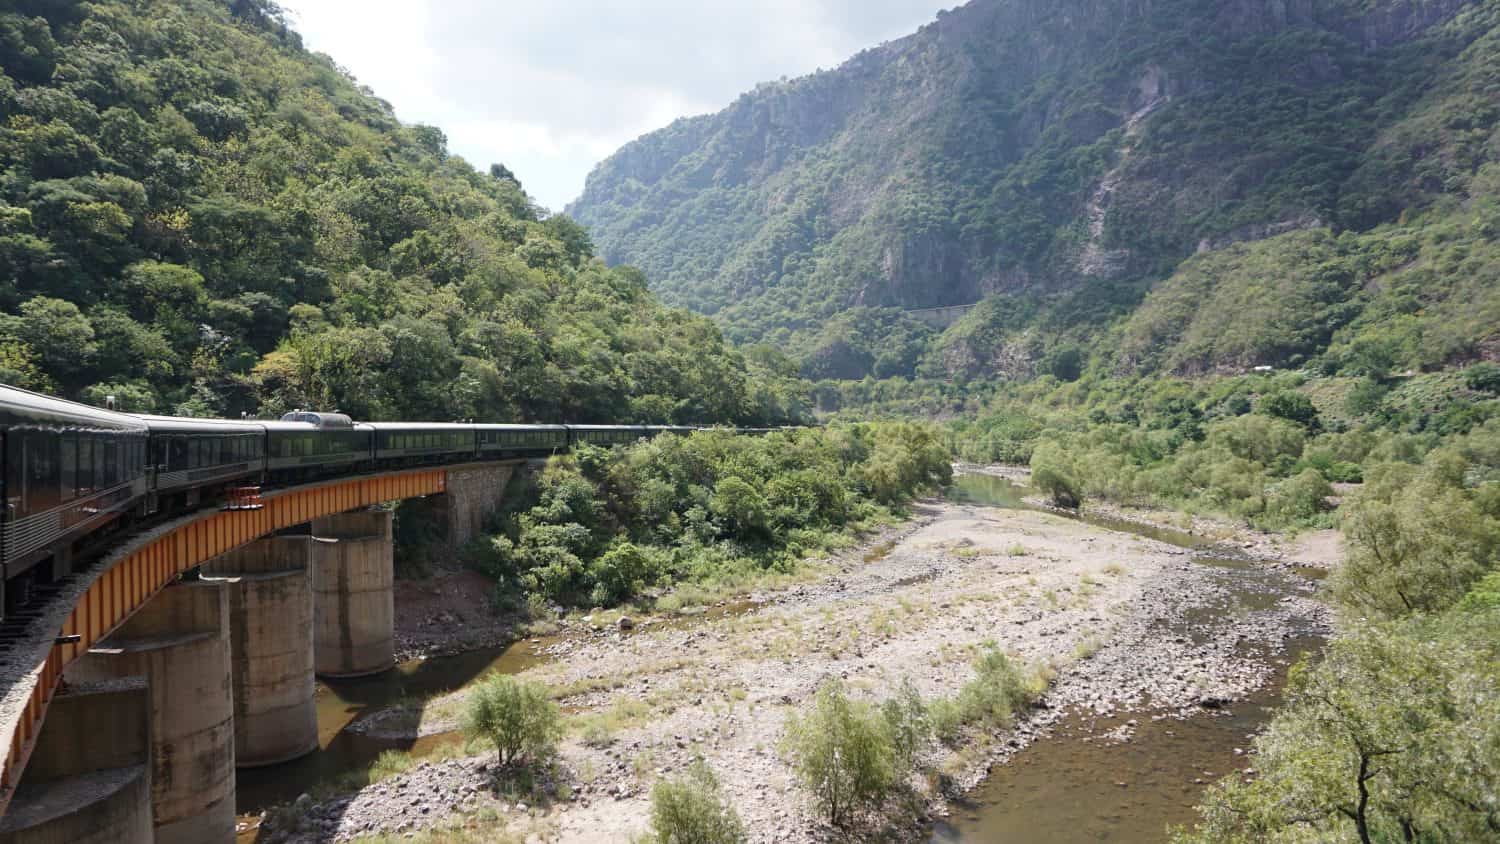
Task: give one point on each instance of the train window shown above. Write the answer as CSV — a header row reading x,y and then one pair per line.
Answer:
x,y
85,464
41,470
177,454
110,464
69,473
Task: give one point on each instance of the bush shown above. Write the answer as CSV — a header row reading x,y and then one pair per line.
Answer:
x,y
1483,377
1293,407
999,690
1297,501
692,810
842,753
946,719
1053,473
518,717
906,723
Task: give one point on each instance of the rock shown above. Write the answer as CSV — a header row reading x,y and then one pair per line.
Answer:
x,y
625,623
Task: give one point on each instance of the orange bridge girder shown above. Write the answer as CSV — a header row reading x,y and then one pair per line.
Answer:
x,y
148,564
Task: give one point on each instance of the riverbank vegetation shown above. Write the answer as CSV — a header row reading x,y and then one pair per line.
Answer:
x,y
1395,734
602,526
1272,450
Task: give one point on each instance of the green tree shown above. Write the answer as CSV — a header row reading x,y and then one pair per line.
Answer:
x,y
1053,473
516,716
842,754
1391,737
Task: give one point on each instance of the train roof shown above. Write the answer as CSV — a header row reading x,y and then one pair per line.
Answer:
x,y
278,426
421,426
188,424
501,426
319,418
22,407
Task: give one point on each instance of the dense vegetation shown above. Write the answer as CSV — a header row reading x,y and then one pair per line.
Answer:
x,y
1313,182
198,216
1395,734
599,527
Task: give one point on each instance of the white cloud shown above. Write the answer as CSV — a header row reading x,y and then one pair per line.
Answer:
x,y
551,88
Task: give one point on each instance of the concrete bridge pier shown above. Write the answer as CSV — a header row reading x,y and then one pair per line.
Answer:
x,y
270,591
179,641
89,779
354,580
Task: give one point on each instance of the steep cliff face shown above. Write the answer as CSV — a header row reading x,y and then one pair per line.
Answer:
x,y
1035,148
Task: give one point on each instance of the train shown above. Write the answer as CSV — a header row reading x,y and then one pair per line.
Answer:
x,y
74,476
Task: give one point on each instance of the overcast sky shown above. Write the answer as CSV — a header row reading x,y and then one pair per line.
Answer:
x,y
551,87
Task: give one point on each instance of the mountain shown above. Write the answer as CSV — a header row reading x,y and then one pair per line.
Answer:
x,y
199,216
1183,185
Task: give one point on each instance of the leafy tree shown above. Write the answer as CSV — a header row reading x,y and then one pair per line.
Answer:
x,y
517,717
59,335
1483,377
1293,407
1052,473
841,753
1390,738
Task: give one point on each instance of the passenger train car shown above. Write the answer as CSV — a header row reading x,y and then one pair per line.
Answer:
x,y
74,474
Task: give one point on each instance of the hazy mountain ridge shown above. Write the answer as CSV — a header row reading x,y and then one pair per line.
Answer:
x,y
1052,152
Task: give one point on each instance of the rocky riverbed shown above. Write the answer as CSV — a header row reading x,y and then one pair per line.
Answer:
x,y
1129,624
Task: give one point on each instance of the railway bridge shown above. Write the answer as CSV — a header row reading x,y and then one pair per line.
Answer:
x,y
191,649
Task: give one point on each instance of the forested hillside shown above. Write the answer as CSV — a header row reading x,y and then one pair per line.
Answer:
x,y
1184,186
199,216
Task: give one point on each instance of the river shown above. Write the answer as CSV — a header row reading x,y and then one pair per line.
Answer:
x,y
1077,785
1072,785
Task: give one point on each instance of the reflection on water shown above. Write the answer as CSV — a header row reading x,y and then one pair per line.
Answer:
x,y
342,702
1064,789
986,490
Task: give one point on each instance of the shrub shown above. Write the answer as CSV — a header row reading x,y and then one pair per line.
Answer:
x,y
1297,501
1053,473
946,719
906,723
692,810
999,690
1293,407
516,716
1483,377
842,754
